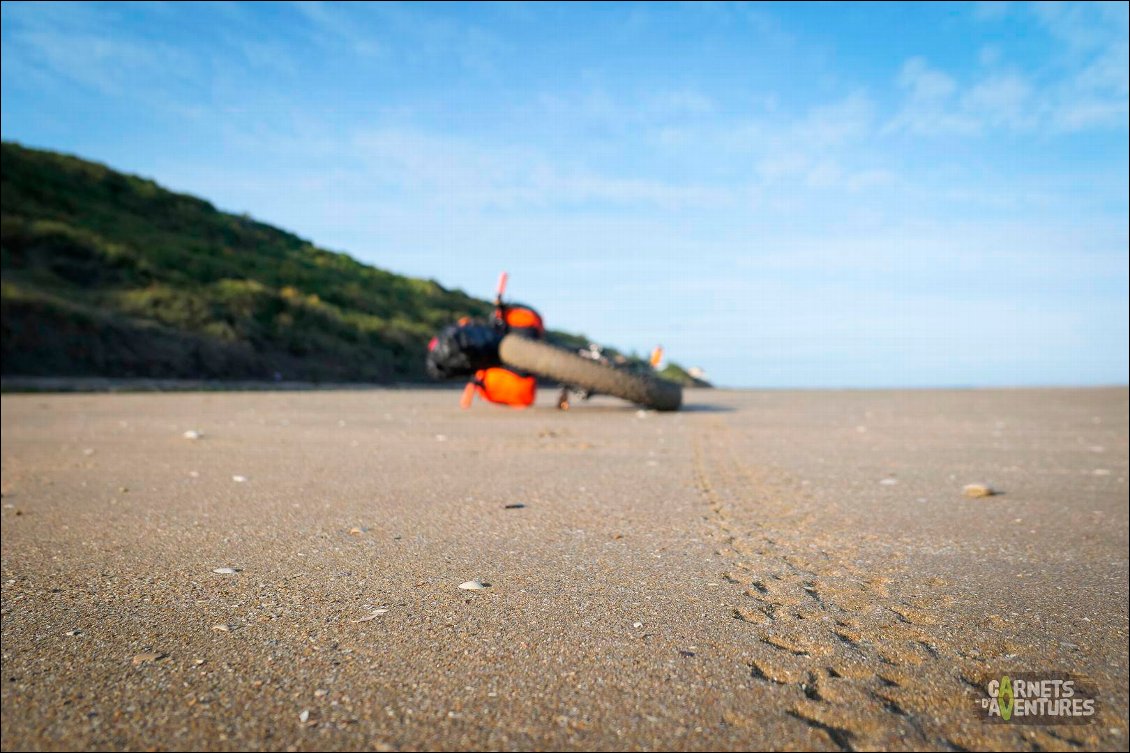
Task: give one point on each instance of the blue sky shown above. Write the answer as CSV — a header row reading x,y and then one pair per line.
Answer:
x,y
786,195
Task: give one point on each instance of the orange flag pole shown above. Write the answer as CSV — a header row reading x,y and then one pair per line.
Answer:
x,y
502,278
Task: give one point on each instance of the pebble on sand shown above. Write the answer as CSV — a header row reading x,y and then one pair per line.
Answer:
x,y
148,658
889,481
474,585
239,479
978,490
193,434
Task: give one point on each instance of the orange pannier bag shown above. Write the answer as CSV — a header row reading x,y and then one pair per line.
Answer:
x,y
503,386
522,320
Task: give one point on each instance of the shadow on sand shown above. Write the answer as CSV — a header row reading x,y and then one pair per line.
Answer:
x,y
624,407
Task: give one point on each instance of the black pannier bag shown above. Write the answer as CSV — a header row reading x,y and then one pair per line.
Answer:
x,y
460,350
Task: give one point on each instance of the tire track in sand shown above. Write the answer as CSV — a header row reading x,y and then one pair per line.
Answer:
x,y
871,657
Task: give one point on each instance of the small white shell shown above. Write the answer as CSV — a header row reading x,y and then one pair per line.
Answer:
x,y
373,615
474,585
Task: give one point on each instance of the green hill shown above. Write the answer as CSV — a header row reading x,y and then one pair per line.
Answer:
x,y
107,274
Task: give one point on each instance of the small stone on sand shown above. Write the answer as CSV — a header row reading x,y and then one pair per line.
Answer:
x,y
239,479
978,490
147,658
192,434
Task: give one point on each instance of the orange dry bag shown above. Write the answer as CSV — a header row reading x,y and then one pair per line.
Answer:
x,y
503,386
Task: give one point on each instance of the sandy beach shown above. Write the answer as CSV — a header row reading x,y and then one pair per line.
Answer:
x,y
788,570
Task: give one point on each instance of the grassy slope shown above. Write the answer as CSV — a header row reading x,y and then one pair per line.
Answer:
x,y
107,274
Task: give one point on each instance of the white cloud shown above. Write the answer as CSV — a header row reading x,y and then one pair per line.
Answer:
x,y
1002,99
924,83
81,45
332,27
928,108
1082,114
836,124
1097,57
1090,94
1084,25
464,174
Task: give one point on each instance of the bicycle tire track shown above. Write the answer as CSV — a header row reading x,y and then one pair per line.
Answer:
x,y
861,657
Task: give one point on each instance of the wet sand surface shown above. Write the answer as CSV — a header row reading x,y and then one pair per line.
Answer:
x,y
794,570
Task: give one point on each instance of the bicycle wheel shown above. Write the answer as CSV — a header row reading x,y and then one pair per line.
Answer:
x,y
567,367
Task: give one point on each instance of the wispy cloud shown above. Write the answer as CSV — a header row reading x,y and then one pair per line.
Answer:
x,y
333,26
1083,86
929,108
1002,100
84,46
470,175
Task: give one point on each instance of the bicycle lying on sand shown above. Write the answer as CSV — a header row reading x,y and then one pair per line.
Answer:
x,y
506,355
